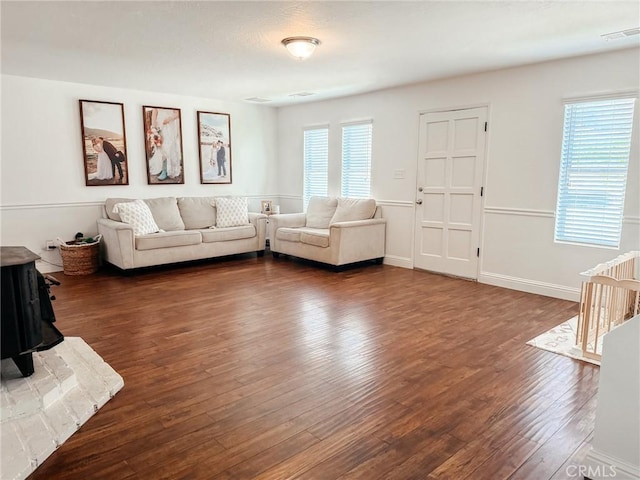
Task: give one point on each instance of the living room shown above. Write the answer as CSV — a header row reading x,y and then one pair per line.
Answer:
x,y
44,195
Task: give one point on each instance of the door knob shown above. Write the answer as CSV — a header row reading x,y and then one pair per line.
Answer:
x,y
420,189
419,201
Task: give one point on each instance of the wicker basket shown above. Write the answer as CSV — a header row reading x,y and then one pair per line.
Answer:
x,y
80,258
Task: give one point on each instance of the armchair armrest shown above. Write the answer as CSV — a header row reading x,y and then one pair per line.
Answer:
x,y
354,241
358,223
108,223
283,220
259,220
289,220
254,217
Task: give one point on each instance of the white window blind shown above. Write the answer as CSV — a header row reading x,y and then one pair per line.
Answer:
x,y
316,160
593,171
356,160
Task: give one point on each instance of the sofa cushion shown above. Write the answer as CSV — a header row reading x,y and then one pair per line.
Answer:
x,y
311,236
138,215
351,209
288,234
110,203
165,212
168,240
317,237
231,212
197,212
228,233
320,211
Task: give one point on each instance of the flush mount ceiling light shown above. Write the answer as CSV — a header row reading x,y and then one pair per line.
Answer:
x,y
301,47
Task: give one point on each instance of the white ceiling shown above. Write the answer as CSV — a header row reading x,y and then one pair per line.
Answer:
x,y
232,51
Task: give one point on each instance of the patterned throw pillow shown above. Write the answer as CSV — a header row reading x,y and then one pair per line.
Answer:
x,y
138,215
231,212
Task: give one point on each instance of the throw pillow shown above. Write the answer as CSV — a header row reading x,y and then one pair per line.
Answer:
x,y
319,211
165,213
138,215
197,212
351,209
231,212
109,204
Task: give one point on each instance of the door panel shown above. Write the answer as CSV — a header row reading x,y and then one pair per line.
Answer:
x,y
450,169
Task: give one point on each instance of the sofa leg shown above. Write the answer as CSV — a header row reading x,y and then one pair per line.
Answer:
x,y
379,260
260,253
275,254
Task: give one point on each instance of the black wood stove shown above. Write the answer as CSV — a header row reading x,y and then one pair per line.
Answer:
x,y
26,312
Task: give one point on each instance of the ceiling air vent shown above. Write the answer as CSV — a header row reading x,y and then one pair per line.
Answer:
x,y
301,94
621,34
258,100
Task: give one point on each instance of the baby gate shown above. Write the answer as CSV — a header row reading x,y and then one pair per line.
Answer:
x,y
610,297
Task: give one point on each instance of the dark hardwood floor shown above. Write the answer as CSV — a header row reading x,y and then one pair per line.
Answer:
x,y
255,368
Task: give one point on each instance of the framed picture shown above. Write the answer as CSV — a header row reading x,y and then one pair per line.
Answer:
x,y
214,138
163,145
104,143
267,207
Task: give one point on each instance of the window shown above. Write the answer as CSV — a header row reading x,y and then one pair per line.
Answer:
x,y
316,159
593,172
356,160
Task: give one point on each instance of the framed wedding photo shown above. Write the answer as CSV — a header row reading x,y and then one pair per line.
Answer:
x,y
163,145
104,143
214,142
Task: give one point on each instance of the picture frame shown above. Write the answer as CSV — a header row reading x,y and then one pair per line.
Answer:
x,y
104,143
214,147
266,207
163,145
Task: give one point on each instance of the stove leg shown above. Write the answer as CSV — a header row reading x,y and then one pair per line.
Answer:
x,y
24,364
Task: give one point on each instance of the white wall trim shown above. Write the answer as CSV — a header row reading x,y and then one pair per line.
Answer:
x,y
397,261
265,195
395,203
519,211
48,267
36,206
456,108
600,466
527,212
530,286
603,96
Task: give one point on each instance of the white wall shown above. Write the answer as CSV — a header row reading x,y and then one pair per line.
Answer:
x,y
43,193
523,153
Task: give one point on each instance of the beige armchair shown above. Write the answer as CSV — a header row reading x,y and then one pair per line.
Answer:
x,y
336,231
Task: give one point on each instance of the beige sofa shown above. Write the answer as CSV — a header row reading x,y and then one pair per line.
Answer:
x,y
187,228
336,231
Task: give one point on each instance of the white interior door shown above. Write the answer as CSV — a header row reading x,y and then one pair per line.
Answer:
x,y
448,198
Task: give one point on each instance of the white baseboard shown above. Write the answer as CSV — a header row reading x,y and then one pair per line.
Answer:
x,y
397,261
600,466
44,267
530,286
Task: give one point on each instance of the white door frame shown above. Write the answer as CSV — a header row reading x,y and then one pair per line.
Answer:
x,y
484,177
